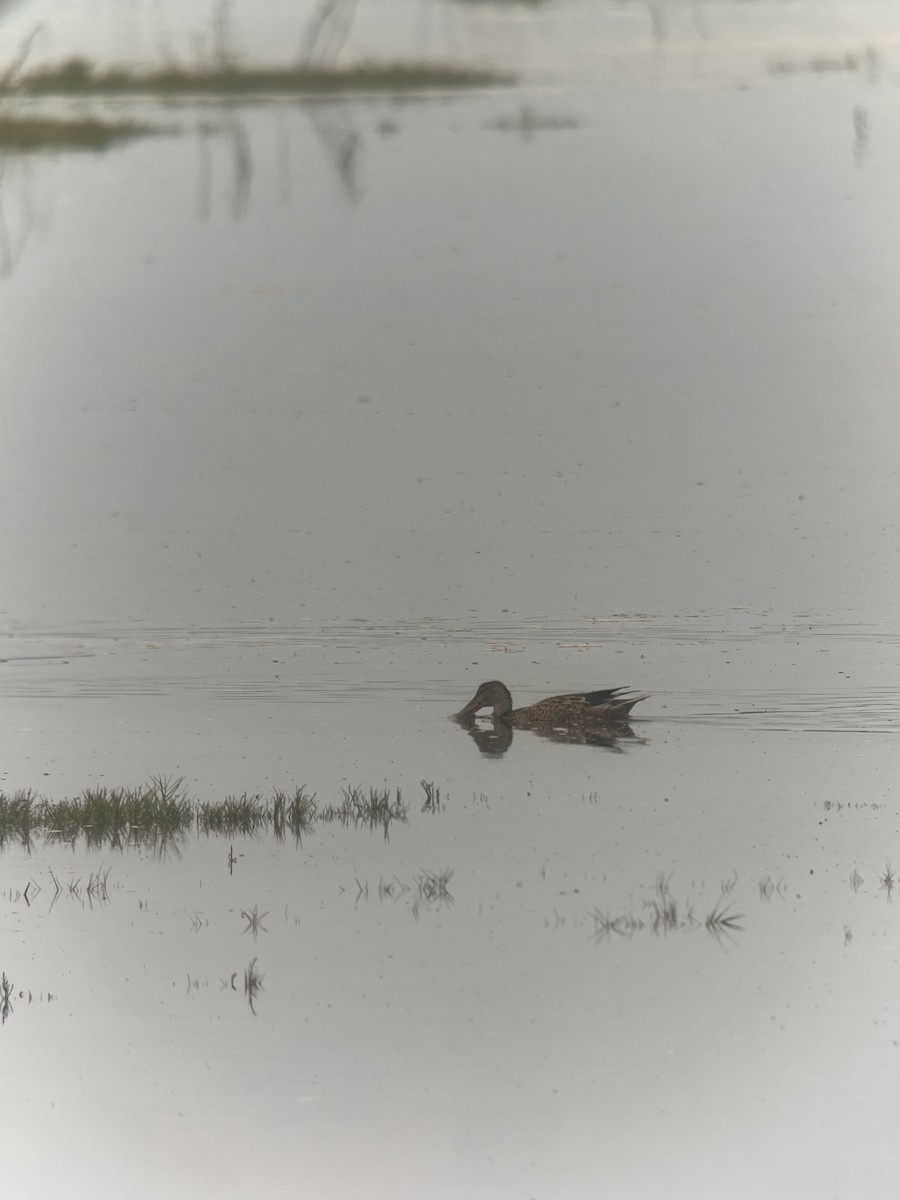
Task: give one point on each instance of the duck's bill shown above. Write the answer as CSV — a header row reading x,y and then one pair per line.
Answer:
x,y
471,708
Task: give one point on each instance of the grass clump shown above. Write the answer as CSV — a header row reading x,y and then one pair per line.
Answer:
x,y
6,994
243,814
253,982
94,888
663,915
152,815
432,890
19,816
432,802
428,890
373,807
722,922
254,919
293,814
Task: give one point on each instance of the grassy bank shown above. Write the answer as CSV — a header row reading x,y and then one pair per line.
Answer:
x,y
78,77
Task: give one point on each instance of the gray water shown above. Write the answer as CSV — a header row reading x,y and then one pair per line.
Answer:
x,y
314,416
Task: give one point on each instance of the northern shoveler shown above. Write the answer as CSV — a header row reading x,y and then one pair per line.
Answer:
x,y
602,708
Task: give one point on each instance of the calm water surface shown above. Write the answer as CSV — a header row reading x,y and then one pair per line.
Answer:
x,y
316,415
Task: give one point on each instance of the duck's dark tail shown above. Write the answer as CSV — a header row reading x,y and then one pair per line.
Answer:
x,y
616,705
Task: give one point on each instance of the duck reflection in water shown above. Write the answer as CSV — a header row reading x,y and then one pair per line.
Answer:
x,y
585,718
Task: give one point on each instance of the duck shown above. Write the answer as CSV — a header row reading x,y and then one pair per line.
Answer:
x,y
603,708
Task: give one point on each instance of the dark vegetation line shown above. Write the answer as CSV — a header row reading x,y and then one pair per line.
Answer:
x,y
222,76
59,133
162,811
78,77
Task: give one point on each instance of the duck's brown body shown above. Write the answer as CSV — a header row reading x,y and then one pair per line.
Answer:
x,y
580,709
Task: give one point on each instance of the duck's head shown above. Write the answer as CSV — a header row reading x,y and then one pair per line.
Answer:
x,y
492,694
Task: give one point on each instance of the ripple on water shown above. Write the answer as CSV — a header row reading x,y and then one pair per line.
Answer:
x,y
417,659
853,710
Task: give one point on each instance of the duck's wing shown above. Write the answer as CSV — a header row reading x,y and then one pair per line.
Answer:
x,y
612,703
604,696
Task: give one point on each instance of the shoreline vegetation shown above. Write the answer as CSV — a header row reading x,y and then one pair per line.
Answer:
x,y
162,813
78,77
61,133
